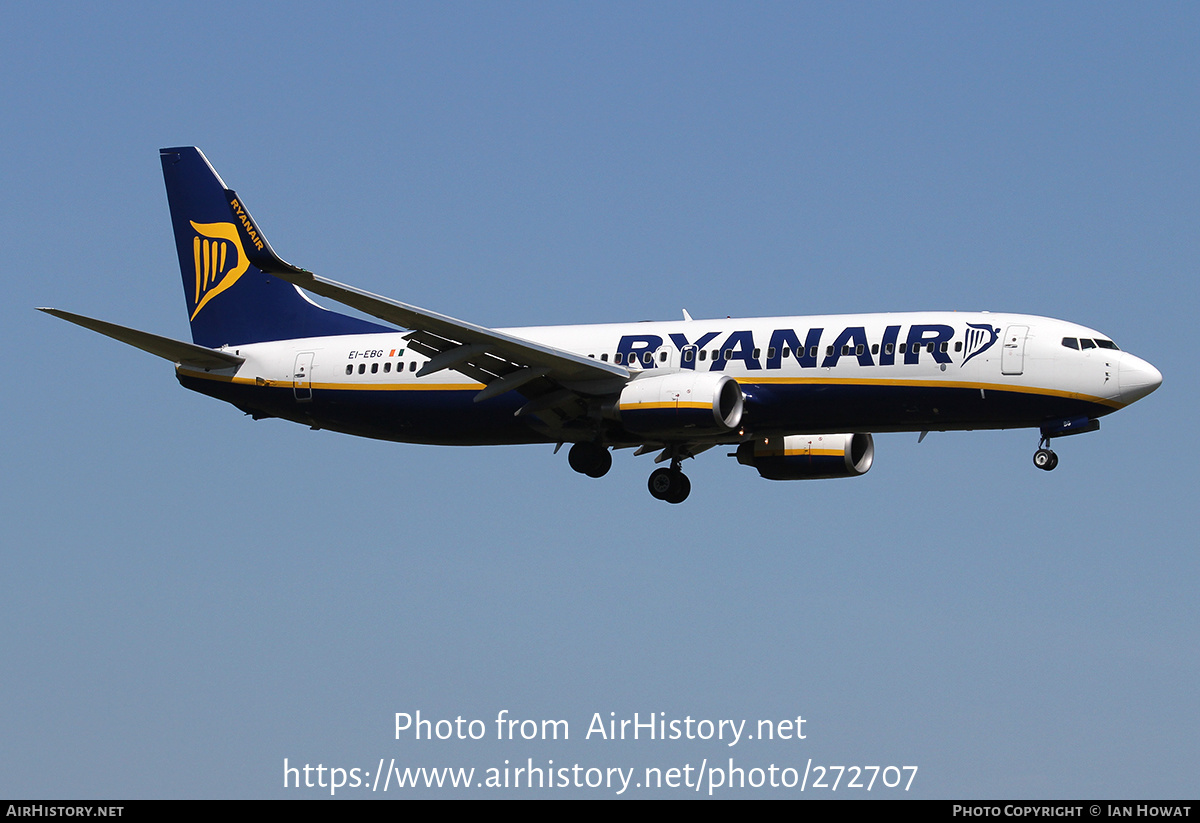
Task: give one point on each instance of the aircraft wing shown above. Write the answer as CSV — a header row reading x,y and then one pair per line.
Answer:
x,y
502,361
456,342
188,354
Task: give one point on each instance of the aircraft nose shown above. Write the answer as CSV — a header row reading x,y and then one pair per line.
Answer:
x,y
1136,378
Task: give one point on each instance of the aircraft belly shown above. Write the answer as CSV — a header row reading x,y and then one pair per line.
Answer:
x,y
835,407
428,416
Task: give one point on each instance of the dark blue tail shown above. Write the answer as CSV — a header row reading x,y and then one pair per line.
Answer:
x,y
229,299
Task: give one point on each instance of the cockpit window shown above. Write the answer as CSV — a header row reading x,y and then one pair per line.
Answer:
x,y
1084,343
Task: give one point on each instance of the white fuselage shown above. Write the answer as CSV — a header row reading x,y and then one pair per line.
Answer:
x,y
876,372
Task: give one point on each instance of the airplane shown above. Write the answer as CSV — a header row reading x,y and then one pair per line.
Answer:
x,y
796,397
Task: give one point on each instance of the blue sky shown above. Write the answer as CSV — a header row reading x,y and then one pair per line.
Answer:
x,y
193,597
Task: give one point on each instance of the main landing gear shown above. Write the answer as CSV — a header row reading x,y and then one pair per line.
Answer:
x,y
591,459
670,484
1044,458
594,460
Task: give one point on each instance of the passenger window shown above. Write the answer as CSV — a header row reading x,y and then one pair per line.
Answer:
x,y
728,354
412,366
944,346
929,348
829,351
604,358
786,351
958,346
374,368
662,356
362,368
618,357
903,348
771,353
812,352
689,355
890,348
757,353
875,348
859,349
387,367
648,358
845,350
703,354
349,370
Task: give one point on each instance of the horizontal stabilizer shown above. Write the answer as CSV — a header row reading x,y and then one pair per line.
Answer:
x,y
176,351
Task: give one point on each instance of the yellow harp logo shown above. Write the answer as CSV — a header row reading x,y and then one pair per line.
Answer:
x,y
220,260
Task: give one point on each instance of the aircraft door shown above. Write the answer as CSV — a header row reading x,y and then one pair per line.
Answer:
x,y
685,358
302,376
1012,356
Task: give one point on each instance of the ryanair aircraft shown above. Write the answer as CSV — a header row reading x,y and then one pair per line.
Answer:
x,y
797,397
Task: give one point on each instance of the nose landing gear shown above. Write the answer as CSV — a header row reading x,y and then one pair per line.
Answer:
x,y
1044,458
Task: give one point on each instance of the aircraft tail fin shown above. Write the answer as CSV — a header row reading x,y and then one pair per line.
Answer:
x,y
230,299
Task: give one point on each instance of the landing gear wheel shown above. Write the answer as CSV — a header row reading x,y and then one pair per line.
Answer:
x,y
1045,459
590,459
671,485
602,465
681,489
660,483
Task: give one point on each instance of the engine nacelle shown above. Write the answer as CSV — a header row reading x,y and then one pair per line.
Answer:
x,y
809,456
680,403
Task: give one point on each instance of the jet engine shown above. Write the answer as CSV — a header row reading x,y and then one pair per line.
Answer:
x,y
680,404
809,456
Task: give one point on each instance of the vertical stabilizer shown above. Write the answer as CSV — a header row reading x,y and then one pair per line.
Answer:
x,y
230,300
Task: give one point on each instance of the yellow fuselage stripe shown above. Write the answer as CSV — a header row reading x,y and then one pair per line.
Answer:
x,y
250,381
752,381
